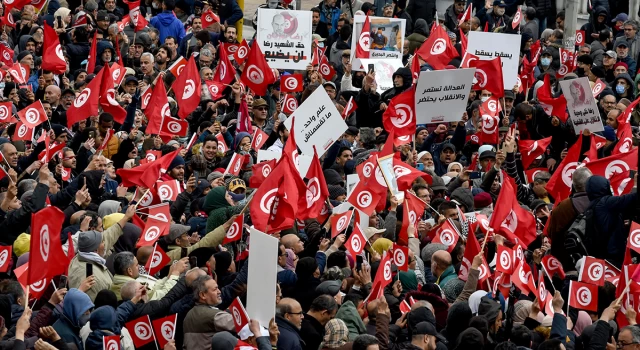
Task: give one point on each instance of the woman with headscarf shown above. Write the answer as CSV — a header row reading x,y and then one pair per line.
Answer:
x,y
474,300
583,321
336,336
292,260
126,151
108,207
308,274
220,206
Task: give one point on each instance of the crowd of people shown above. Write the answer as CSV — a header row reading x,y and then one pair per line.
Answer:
x,y
529,214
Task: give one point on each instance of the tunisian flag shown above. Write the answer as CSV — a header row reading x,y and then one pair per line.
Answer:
x,y
47,259
619,163
141,331
165,328
147,174
157,108
5,258
488,76
583,296
399,115
157,261
225,72
256,74
559,185
93,53
52,55
138,20
86,103
531,149
556,107
34,114
187,89
244,120
509,218
108,97
437,50
364,41
317,191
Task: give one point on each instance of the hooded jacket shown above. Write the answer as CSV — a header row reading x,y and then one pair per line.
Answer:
x,y
419,35
629,90
76,303
104,45
593,26
609,214
105,321
349,314
168,25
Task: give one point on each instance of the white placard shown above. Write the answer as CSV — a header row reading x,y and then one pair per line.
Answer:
x,y
352,181
384,72
261,283
583,110
386,43
266,155
284,36
488,45
441,95
318,123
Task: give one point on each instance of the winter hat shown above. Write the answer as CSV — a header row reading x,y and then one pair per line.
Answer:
x,y
58,129
463,196
482,200
202,254
177,161
489,308
176,230
89,241
223,341
223,261
22,55
452,289
111,220
214,175
336,191
22,244
609,133
331,288
333,177
336,334
470,338
431,248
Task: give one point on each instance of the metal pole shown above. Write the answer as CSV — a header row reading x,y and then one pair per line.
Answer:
x,y
570,24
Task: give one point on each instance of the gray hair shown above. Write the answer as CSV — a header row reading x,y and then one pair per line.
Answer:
x,y
128,290
579,179
633,23
206,52
635,333
200,286
122,261
26,185
558,33
114,28
149,55
363,341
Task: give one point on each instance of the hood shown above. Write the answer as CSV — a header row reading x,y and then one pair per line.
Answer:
x,y
349,314
215,199
457,320
600,10
239,136
103,45
488,308
53,6
407,77
22,44
102,318
76,303
464,197
108,207
127,242
421,27
626,77
598,187
93,178
166,18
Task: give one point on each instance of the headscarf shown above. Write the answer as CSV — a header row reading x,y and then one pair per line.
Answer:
x,y
290,263
521,311
474,300
336,334
583,321
382,245
305,268
408,280
127,242
126,146
215,199
108,207
452,164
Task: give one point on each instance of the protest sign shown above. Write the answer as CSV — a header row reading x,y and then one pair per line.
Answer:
x,y
266,155
583,110
386,40
285,38
318,123
352,181
261,284
384,72
488,45
441,96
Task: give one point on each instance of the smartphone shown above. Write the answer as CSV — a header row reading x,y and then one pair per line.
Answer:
x,y
371,68
358,262
89,270
420,166
475,175
62,283
92,134
59,18
195,175
193,261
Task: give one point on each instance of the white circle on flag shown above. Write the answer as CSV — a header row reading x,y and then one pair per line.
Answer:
x,y
142,331
152,233
255,74
364,199
45,243
82,98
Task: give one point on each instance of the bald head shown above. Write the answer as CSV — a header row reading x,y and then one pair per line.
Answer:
x,y
422,303
292,241
128,290
440,261
143,254
192,275
52,95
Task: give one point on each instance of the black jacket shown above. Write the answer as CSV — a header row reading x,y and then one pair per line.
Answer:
x,y
425,9
77,53
312,332
17,221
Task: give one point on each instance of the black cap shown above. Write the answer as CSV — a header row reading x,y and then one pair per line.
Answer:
x,y
425,328
352,130
129,79
509,94
500,3
102,16
598,71
368,6
449,145
67,91
487,154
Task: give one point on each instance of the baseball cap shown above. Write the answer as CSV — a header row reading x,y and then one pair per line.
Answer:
x,y
237,184
509,94
487,154
622,43
330,83
622,17
612,54
438,184
102,16
130,79
450,146
425,328
500,3
317,37
352,130
370,231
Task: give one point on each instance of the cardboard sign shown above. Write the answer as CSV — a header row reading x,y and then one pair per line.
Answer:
x,y
384,72
386,40
487,46
441,96
583,109
263,270
284,36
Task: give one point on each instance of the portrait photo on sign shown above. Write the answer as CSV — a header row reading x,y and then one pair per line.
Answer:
x,y
386,39
284,36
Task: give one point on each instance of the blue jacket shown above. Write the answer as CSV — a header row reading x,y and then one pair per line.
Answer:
x,y
289,335
105,321
168,25
76,303
329,15
230,12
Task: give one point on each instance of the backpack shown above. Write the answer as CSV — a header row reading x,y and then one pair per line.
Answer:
x,y
581,237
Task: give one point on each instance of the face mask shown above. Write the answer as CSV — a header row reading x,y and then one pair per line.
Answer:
x,y
580,72
484,98
320,44
620,88
545,61
154,5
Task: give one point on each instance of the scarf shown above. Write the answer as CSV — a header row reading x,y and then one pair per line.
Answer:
x,y
93,257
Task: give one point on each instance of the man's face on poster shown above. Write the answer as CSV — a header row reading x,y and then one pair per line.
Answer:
x,y
278,24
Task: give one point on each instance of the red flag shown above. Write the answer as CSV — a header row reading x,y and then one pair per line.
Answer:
x,y
241,54
105,140
471,250
33,115
157,109
583,296
356,242
326,69
556,107
616,164
178,66
208,18
447,234
23,132
244,120
6,55
235,164
486,27
488,76
522,278
225,72
289,104
146,175
5,257
291,83
222,145
47,257
340,222
257,75
52,55
138,20
174,127
215,89
50,152
19,72
489,131
437,50
415,68
111,342
560,183
165,328
509,218
86,103
349,108
317,192
531,149
153,230
400,255
169,190
580,38
6,114
364,198
404,307
258,139
413,208
551,266
399,115
240,316
592,271
117,74
7,19
517,18
406,175
364,41
157,261
107,98
93,54
260,172
464,41
234,233
505,261
141,331
383,275
466,16
566,63
145,97
35,289
260,206
187,87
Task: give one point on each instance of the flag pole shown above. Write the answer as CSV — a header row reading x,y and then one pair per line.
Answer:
x,y
248,201
144,195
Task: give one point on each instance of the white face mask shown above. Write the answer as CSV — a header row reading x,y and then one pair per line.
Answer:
x,y
484,98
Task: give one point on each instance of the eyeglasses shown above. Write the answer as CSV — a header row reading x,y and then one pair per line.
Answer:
x,y
622,345
295,313
261,108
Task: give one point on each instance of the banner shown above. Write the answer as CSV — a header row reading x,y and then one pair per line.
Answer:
x,y
386,39
487,45
583,109
384,72
318,123
441,96
284,36
261,284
